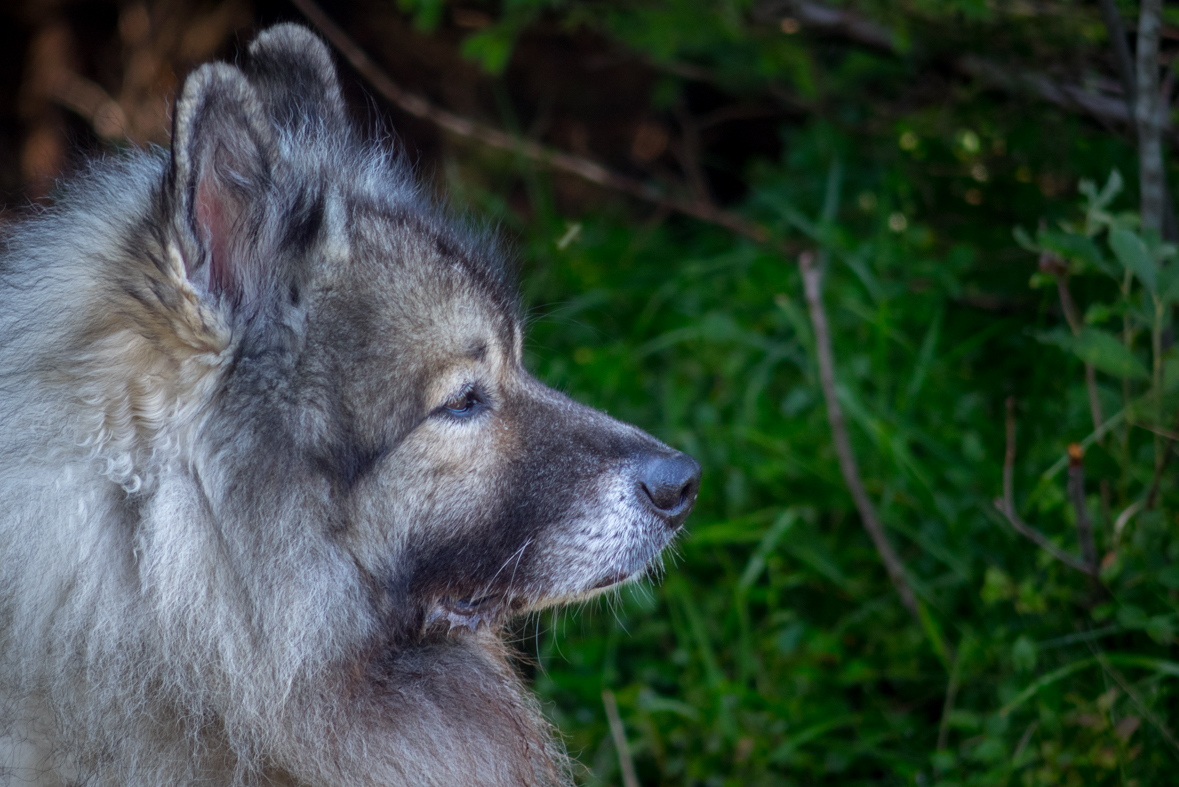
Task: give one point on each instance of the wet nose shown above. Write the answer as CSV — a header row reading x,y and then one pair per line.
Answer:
x,y
668,485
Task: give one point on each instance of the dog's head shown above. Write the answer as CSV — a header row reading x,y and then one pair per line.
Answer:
x,y
374,380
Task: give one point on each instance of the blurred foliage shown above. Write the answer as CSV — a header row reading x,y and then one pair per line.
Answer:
x,y
774,650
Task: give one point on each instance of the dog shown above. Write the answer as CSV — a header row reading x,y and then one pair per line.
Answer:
x,y
273,476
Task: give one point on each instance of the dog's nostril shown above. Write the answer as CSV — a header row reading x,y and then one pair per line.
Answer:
x,y
669,484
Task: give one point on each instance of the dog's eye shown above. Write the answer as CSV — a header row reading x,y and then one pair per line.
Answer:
x,y
464,404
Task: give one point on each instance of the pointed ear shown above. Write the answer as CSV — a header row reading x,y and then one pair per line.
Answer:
x,y
223,160
292,70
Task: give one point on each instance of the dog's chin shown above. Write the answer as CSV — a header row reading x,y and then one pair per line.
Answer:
x,y
492,611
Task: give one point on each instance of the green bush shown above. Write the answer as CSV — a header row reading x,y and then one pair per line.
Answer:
x,y
774,650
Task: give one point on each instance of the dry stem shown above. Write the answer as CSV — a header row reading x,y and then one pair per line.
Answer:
x,y
1006,504
618,732
1076,492
812,280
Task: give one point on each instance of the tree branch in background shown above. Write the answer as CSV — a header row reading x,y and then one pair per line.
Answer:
x,y
861,30
1076,492
1127,74
1125,63
592,171
1149,116
812,281
829,19
1074,98
1006,504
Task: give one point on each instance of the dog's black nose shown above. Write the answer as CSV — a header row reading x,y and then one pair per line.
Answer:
x,y
668,485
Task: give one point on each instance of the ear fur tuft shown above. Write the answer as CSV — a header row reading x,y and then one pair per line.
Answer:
x,y
293,72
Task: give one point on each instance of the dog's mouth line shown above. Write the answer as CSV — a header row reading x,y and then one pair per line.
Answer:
x,y
468,606
472,611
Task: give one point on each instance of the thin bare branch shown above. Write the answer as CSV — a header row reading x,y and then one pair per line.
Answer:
x,y
1009,459
812,280
1169,438
1040,540
1076,492
1074,98
828,19
1051,263
1006,504
1125,62
618,732
592,171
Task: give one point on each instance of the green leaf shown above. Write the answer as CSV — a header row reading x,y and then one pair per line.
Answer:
x,y
427,14
1108,354
1169,283
1112,187
757,561
1023,653
1076,248
1134,256
1169,577
1101,349
491,48
1025,240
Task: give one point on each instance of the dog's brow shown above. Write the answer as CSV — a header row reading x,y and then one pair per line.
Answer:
x,y
478,352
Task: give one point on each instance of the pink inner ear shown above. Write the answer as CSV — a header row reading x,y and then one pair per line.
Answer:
x,y
214,219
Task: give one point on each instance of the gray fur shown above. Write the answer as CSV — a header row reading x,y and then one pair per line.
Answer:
x,y
272,475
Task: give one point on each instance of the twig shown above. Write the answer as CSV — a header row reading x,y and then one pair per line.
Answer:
x,y
1117,36
1076,492
1006,504
1169,437
1070,97
618,732
1051,263
1009,458
829,19
812,280
584,168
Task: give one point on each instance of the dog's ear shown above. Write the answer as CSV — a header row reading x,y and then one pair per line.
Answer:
x,y
292,70
223,162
